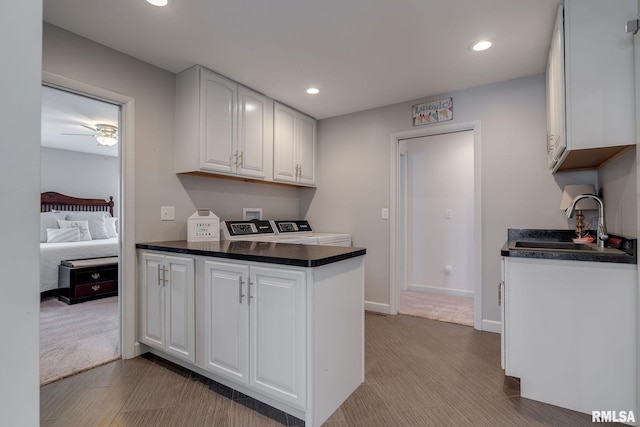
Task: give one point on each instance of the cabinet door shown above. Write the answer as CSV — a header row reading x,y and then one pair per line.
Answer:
x,y
284,155
218,98
180,307
152,302
306,148
599,73
226,320
277,333
255,121
556,134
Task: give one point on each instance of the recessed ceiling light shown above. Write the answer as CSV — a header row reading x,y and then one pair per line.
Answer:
x,y
313,91
482,45
158,2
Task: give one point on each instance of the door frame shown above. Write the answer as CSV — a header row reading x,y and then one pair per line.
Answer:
x,y
126,211
394,200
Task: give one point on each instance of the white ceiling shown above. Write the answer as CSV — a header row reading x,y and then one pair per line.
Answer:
x,y
361,53
66,113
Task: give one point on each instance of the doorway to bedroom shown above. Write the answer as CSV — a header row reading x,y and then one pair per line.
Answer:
x,y
80,159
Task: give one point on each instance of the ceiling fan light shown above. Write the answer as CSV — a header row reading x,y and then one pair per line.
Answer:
x,y
107,141
158,2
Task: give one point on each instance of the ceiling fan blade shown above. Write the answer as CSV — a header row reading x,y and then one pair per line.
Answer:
x,y
90,128
77,134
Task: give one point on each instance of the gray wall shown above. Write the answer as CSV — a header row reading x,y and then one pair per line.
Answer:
x,y
518,190
20,77
156,183
79,174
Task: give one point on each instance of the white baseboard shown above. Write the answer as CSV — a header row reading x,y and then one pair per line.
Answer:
x,y
441,291
491,326
377,307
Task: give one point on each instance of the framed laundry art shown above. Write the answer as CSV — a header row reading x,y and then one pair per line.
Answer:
x,y
432,112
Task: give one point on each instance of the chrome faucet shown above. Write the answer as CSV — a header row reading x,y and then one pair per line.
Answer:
x,y
602,229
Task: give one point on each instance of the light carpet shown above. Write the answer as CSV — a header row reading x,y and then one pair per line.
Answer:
x,y
445,308
74,338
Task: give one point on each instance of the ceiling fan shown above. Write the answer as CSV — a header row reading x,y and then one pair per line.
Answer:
x,y
106,135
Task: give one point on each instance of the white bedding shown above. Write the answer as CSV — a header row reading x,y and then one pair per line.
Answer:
x,y
52,253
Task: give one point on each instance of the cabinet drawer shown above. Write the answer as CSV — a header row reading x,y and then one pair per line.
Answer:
x,y
98,288
95,276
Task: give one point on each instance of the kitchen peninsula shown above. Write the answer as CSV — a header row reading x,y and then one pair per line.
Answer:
x,y
282,323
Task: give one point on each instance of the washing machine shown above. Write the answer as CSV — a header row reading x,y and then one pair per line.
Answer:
x,y
302,227
260,231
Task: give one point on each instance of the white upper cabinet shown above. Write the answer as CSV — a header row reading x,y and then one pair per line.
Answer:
x,y
255,134
294,146
599,83
556,138
221,127
218,104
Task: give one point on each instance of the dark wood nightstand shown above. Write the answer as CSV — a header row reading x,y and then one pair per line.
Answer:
x,y
87,279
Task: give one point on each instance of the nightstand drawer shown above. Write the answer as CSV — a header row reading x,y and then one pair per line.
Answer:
x,y
95,276
91,289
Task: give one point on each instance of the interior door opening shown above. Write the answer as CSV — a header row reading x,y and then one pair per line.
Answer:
x,y
81,157
436,227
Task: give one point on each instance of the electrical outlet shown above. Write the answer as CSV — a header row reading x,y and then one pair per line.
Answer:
x,y
385,213
167,213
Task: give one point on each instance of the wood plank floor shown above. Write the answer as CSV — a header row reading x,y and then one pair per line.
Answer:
x,y
419,372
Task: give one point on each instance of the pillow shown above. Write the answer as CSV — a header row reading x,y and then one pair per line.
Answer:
x,y
110,225
96,222
48,220
59,235
82,226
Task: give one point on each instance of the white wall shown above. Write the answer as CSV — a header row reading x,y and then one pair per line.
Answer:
x,y
618,186
21,46
518,190
440,177
79,174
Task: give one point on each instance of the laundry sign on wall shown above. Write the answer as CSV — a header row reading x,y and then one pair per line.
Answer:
x,y
432,112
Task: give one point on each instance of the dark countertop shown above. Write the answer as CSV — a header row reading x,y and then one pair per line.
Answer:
x,y
625,252
269,252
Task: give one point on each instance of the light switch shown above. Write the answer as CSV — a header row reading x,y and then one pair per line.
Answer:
x,y
385,213
448,213
167,213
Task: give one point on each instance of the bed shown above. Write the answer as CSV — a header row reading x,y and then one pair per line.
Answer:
x,y
56,207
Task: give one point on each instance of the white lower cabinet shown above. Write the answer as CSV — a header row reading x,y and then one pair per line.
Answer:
x,y
167,304
570,332
255,327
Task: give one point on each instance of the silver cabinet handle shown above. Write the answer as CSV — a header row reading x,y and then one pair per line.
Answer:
x,y
240,294
500,285
249,290
159,277
164,276
241,160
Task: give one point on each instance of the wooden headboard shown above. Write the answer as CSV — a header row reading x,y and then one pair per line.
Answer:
x,y
51,200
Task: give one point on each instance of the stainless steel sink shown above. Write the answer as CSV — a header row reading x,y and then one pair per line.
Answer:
x,y
554,246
